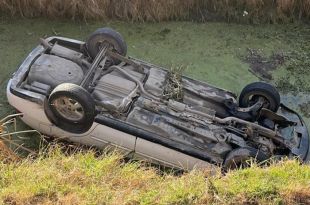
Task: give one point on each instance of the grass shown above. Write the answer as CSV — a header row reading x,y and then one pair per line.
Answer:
x,y
276,184
82,178
85,179
248,11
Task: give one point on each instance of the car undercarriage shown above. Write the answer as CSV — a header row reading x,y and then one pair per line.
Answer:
x,y
80,83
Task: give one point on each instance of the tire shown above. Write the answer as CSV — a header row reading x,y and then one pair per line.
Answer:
x,y
111,37
240,158
260,89
71,108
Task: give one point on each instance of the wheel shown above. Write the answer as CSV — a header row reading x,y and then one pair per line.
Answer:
x,y
71,108
106,36
250,94
241,158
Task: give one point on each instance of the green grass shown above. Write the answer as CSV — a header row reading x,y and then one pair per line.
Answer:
x,y
90,180
274,184
82,178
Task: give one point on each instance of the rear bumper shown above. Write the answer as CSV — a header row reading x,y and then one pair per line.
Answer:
x,y
21,73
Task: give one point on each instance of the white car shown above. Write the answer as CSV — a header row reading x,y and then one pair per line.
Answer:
x,y
91,93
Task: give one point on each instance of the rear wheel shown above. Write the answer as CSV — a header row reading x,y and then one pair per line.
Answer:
x,y
72,108
242,158
106,37
252,92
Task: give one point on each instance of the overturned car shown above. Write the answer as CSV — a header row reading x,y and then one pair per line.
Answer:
x,y
91,93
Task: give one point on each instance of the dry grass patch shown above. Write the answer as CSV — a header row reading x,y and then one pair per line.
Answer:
x,y
6,154
297,195
162,10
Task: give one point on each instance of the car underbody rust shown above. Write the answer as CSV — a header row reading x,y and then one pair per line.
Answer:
x,y
155,104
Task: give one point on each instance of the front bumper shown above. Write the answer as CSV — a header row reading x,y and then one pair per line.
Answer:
x,y
301,150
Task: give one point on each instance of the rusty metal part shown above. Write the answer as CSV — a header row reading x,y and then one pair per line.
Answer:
x,y
141,87
114,93
94,66
257,128
227,121
64,52
45,44
126,60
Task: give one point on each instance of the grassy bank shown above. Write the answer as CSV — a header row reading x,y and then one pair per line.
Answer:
x,y
247,11
85,179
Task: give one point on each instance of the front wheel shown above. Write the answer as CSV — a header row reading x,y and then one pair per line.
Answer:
x,y
252,92
72,107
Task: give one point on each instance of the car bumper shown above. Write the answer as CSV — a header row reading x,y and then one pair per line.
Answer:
x,y
301,150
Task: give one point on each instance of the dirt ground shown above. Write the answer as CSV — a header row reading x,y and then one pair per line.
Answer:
x,y
262,66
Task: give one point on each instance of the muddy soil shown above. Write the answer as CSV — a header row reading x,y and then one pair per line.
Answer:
x,y
263,66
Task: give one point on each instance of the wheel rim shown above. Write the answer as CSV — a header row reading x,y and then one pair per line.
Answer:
x,y
252,99
110,46
69,108
107,43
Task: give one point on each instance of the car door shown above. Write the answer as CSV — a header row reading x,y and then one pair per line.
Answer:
x,y
106,137
157,153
